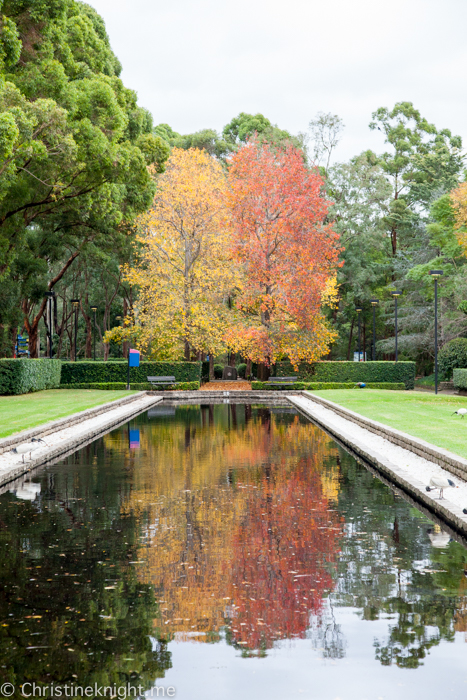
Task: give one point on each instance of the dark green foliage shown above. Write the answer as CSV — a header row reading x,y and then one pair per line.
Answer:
x,y
105,372
135,386
453,355
316,386
241,369
22,376
205,371
351,372
218,369
459,377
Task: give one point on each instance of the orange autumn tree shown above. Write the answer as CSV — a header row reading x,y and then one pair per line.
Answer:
x,y
459,204
287,253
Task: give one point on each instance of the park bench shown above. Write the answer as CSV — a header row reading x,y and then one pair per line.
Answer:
x,y
282,380
155,381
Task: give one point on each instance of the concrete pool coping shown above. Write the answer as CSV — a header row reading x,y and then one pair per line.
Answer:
x,y
69,433
450,513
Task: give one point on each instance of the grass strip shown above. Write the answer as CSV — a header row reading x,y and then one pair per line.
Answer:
x,y
423,415
30,410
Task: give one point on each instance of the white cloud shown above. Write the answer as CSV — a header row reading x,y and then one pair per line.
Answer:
x,y
198,63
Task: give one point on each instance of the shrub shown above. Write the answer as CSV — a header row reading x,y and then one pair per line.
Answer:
x,y
310,386
20,376
218,369
136,386
459,377
241,369
351,372
452,356
104,372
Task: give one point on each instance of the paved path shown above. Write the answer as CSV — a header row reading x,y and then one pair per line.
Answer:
x,y
225,385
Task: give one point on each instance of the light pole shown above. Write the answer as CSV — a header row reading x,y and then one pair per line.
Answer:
x,y
50,296
435,274
395,294
75,304
374,303
94,309
118,319
359,311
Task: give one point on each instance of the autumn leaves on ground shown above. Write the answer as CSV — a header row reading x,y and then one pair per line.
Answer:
x,y
257,550
234,259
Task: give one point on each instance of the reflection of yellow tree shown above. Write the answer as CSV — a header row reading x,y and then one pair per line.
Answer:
x,y
195,486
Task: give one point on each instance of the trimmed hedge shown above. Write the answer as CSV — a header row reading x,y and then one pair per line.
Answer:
x,y
380,372
459,378
452,356
310,386
136,386
20,376
105,372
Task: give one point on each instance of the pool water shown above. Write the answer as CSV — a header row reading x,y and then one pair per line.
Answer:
x,y
226,551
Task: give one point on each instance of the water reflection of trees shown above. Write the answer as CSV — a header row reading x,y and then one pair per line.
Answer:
x,y
388,568
239,533
72,608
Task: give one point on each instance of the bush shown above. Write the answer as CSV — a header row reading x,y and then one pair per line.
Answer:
x,y
459,377
135,386
218,369
315,386
105,372
20,376
241,369
453,355
385,372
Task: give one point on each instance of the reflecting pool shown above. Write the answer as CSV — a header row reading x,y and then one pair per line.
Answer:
x,y
226,551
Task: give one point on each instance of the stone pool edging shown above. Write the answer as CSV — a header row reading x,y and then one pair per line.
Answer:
x,y
453,463
104,417
449,512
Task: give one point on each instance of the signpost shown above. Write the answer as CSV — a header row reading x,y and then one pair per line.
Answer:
x,y
22,346
133,361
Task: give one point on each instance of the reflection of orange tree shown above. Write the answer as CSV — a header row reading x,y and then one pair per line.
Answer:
x,y
284,546
199,489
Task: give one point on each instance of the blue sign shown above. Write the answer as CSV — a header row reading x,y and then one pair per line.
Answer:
x,y
133,358
134,439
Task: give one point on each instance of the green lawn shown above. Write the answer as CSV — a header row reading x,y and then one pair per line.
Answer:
x,y
424,415
28,410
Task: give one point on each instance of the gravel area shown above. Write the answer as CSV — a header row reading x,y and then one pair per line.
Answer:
x,y
62,440
414,466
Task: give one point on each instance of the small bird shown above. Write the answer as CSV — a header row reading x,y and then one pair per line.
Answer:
x,y
441,483
460,412
26,447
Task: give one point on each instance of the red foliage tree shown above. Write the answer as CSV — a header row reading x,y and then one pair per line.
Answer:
x,y
287,251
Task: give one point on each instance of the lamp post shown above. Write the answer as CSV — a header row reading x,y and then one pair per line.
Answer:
x,y
75,304
94,309
435,274
395,293
374,303
50,296
118,319
359,311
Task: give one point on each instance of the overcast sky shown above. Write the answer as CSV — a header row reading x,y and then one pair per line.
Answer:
x,y
198,63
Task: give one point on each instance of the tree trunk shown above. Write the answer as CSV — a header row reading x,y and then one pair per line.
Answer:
x,y
187,350
350,340
248,369
264,372
211,367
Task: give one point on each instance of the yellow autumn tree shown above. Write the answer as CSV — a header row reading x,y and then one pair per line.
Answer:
x,y
459,203
184,272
